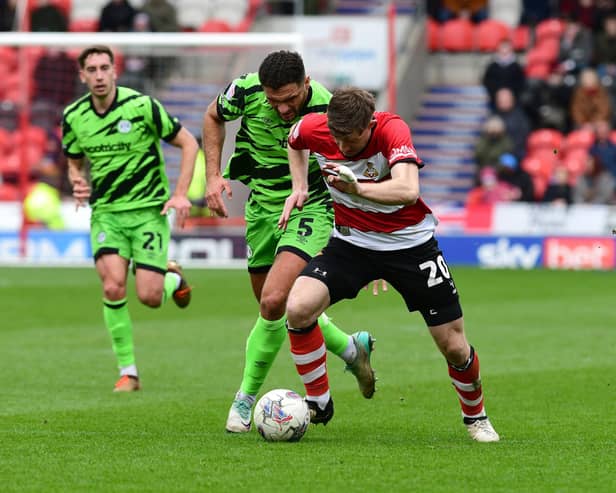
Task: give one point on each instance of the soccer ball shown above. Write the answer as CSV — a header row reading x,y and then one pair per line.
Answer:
x,y
281,415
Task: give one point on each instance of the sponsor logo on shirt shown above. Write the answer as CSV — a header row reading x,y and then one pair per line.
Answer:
x,y
402,153
120,146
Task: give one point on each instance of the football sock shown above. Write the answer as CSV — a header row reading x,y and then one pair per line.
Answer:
x,y
337,341
262,346
172,282
130,370
467,382
310,357
118,323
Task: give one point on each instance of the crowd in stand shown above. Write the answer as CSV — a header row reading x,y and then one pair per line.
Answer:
x,y
549,136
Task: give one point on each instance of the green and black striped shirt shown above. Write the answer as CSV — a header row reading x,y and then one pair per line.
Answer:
x,y
127,167
260,158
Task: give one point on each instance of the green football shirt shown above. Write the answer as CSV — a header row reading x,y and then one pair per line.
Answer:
x,y
127,167
260,158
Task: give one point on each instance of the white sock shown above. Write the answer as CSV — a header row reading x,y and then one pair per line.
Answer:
x,y
321,400
130,370
350,352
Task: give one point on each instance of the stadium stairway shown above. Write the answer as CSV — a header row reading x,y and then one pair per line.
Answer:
x,y
444,133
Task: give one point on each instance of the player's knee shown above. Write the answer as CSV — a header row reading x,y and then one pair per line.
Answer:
x,y
299,313
151,297
114,290
272,305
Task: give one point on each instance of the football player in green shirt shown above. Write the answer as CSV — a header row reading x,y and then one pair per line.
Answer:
x,y
269,103
119,130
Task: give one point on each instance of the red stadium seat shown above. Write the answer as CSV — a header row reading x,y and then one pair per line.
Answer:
x,y
579,139
540,163
490,33
433,32
83,25
539,70
549,28
35,136
520,38
544,139
4,141
215,26
613,136
12,163
576,163
547,49
457,35
537,55
9,192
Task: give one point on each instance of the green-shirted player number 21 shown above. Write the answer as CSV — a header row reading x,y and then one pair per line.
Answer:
x,y
151,240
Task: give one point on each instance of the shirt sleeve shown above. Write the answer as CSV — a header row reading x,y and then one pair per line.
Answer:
x,y
70,144
399,145
165,125
231,103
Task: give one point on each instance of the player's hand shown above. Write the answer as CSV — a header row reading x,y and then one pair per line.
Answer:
x,y
341,178
81,192
216,186
297,199
182,208
375,286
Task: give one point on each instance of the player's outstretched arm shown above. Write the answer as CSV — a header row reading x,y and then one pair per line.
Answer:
x,y
213,136
298,164
179,200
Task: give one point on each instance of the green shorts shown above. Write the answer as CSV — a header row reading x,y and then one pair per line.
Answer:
x,y
141,234
307,233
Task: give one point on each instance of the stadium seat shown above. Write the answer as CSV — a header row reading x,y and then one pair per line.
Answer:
x,y
83,25
520,38
34,136
578,139
613,136
12,163
433,33
548,49
538,55
457,35
544,139
4,141
538,70
9,192
549,28
489,33
540,164
215,26
576,163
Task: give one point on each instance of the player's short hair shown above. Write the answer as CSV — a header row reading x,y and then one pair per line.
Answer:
x,y
350,110
90,50
280,68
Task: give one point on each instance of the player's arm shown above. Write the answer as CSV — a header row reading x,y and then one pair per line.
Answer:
x,y
81,188
213,136
403,188
298,165
179,200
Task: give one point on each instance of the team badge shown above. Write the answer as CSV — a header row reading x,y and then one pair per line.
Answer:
x,y
124,126
101,237
371,171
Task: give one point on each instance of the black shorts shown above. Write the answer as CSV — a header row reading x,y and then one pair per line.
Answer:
x,y
420,274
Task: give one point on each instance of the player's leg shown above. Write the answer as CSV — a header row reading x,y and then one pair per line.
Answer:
x,y
422,277
307,232
156,278
111,253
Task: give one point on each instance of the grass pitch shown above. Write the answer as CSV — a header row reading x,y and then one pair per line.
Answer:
x,y
545,339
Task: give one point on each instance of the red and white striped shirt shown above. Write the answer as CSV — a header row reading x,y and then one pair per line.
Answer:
x,y
360,221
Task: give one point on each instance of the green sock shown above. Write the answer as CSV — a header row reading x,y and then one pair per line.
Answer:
x,y
262,346
336,340
119,325
171,284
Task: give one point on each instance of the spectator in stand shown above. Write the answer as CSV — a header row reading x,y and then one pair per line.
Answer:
x,y
558,190
491,190
117,16
504,71
605,52
547,102
7,14
590,102
517,124
163,16
576,43
46,17
138,70
535,11
604,148
584,11
509,171
54,78
474,10
595,186
492,143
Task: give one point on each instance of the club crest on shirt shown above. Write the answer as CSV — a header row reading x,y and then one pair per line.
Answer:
x,y
124,126
370,171
101,237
